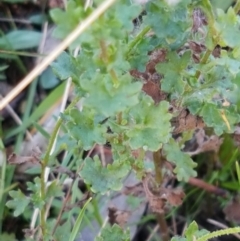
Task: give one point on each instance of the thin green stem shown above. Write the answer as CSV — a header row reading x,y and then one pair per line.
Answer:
x,y
207,8
44,165
237,7
105,59
204,61
219,233
45,162
96,212
137,39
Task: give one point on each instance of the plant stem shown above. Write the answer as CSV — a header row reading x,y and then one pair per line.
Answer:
x,y
207,8
237,7
106,60
163,227
62,208
219,233
44,165
45,162
203,61
96,212
157,159
137,39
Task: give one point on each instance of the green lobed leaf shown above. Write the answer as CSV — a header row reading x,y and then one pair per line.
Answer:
x,y
232,65
191,233
173,72
65,142
113,233
217,84
184,164
214,116
54,190
103,179
19,202
139,55
35,188
126,12
114,25
63,232
83,127
66,66
227,25
191,230
149,125
67,20
108,99
170,23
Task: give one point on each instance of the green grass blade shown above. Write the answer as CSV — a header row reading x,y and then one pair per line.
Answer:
x,y
40,110
238,172
79,221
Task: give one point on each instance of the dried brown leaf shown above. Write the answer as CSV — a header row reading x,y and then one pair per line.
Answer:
x,y
206,143
186,121
64,170
116,216
197,48
136,190
156,204
175,197
199,19
158,199
157,56
15,159
153,89
232,210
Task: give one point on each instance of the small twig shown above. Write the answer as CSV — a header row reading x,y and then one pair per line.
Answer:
x,y
208,187
163,226
174,224
103,225
62,208
221,225
158,160
16,20
153,233
102,155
